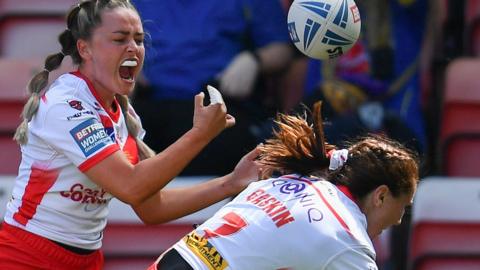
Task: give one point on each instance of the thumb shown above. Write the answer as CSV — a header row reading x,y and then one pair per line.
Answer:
x,y
199,100
252,155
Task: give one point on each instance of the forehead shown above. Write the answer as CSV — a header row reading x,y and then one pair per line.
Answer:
x,y
121,19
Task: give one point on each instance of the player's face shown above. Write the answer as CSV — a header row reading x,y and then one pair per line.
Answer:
x,y
115,53
388,212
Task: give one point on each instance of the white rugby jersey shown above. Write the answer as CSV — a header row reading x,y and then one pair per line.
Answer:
x,y
283,223
70,133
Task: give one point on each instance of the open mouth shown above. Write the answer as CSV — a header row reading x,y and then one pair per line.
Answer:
x,y
127,70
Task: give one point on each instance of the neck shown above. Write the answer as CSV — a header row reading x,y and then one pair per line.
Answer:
x,y
106,97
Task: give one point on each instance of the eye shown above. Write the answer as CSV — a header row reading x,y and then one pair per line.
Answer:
x,y
139,41
119,40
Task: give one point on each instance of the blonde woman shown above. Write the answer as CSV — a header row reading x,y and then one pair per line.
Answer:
x,y
82,145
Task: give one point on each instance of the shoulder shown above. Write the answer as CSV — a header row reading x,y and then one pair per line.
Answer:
x,y
354,258
68,90
67,98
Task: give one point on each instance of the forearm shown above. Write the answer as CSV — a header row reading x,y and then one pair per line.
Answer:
x,y
156,172
135,183
170,204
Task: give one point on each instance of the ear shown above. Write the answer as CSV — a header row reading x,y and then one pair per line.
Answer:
x,y
83,48
379,195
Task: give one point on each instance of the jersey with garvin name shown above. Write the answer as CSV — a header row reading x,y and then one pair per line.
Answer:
x,y
283,223
70,133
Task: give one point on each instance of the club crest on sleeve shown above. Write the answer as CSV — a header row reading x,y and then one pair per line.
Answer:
x,y
77,105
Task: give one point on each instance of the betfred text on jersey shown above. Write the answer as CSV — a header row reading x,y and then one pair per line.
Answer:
x,y
90,136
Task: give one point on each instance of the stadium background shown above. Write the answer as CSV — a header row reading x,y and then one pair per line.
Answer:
x,y
443,231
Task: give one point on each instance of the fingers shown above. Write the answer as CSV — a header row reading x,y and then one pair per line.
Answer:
x,y
230,120
252,155
199,100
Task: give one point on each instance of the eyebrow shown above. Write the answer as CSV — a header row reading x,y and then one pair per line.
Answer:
x,y
128,33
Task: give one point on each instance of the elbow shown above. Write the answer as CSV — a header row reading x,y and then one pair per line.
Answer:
x,y
147,220
149,217
131,197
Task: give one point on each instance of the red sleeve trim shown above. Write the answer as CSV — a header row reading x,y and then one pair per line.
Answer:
x,y
89,163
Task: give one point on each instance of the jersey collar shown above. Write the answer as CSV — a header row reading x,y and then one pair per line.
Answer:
x,y
114,115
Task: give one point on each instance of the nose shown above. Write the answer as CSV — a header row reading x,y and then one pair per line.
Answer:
x,y
132,46
399,221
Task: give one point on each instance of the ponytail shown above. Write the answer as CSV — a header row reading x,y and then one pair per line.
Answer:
x,y
297,146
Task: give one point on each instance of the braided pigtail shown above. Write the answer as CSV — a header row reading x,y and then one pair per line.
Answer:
x,y
133,126
35,87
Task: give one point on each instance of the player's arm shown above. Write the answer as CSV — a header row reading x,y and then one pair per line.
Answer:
x,y
133,184
168,204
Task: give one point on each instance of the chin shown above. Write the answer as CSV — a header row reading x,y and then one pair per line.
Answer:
x,y
126,90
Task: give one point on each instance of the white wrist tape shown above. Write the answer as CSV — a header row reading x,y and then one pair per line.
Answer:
x,y
215,96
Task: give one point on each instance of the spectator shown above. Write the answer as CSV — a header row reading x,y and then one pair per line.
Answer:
x,y
229,44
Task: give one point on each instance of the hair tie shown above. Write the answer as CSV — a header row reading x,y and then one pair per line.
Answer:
x,y
45,69
337,158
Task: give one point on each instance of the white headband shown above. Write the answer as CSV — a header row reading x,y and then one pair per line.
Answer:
x,y
337,159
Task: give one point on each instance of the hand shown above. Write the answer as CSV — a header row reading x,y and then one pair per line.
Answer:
x,y
212,119
247,170
238,78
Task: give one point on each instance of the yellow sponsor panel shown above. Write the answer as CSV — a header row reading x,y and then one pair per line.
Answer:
x,y
205,251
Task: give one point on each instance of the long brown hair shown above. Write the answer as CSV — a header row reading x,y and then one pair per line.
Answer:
x,y
81,20
298,146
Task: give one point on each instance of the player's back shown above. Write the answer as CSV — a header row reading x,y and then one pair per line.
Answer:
x,y
287,222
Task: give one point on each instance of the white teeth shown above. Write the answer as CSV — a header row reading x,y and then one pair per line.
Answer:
x,y
129,63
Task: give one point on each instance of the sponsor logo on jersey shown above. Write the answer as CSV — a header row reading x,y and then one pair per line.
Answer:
x,y
77,105
108,126
205,251
90,136
81,194
79,114
301,195
289,187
